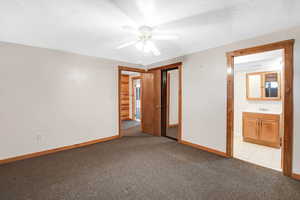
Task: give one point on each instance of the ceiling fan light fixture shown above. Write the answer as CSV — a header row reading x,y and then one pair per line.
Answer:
x,y
145,39
147,47
139,46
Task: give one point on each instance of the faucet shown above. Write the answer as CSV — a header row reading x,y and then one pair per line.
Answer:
x,y
263,109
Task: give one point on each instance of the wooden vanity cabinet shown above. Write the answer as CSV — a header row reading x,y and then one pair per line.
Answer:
x,y
261,129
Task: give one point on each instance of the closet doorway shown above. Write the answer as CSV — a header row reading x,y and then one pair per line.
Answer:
x,y
171,100
170,103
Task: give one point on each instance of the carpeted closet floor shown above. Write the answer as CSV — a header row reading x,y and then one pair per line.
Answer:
x,y
141,168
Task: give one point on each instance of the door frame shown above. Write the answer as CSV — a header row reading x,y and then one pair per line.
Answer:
x,y
120,69
168,101
179,66
288,47
133,103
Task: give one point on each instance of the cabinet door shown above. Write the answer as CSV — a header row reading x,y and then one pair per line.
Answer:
x,y
250,128
269,132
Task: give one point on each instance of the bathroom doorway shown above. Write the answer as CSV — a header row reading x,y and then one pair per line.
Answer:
x,y
258,120
263,125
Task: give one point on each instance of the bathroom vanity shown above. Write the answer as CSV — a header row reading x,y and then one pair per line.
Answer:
x,y
262,128
261,125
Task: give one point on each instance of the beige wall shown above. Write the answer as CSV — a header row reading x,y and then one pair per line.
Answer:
x,y
174,87
51,99
204,92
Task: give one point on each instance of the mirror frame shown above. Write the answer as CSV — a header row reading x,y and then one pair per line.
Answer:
x,y
263,93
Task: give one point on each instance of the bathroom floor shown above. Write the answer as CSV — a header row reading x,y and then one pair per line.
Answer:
x,y
257,154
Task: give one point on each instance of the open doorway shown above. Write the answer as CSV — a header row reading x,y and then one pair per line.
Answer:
x,y
136,83
171,102
130,104
172,98
273,129
143,108
258,119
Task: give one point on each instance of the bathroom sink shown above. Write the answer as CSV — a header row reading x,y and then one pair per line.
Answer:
x,y
264,111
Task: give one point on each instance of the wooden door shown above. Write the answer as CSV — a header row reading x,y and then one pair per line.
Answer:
x,y
250,128
148,103
151,101
157,102
269,132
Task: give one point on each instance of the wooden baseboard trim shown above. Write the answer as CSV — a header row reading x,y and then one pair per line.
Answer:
x,y
41,153
223,154
296,176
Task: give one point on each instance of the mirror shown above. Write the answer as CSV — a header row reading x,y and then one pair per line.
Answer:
x,y
271,86
254,86
263,86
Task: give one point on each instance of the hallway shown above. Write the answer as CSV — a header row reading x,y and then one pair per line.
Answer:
x,y
131,128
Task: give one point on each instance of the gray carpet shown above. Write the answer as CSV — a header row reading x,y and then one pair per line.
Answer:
x,y
126,124
132,128
141,168
134,131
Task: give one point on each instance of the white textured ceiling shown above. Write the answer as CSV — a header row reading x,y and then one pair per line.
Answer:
x,y
94,27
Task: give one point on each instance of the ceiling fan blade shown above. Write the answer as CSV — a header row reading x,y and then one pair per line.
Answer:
x,y
130,29
153,48
126,44
165,37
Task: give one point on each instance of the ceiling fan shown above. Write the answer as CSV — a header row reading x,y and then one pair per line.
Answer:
x,y
145,37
